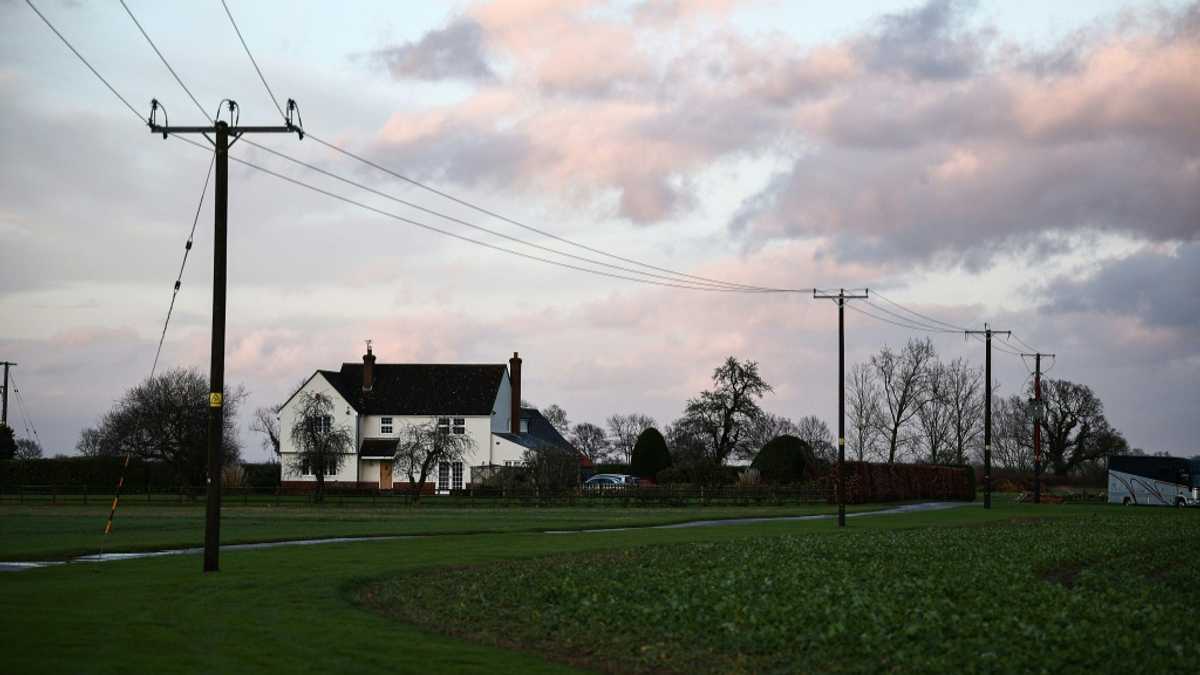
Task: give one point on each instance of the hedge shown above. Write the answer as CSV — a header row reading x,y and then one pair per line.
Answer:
x,y
872,482
101,473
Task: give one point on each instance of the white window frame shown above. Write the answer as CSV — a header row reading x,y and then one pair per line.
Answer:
x,y
385,425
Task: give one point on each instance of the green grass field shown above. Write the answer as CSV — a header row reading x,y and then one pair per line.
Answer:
x,y
322,608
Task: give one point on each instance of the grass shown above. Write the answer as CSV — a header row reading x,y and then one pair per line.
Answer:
x,y
300,609
46,532
1061,595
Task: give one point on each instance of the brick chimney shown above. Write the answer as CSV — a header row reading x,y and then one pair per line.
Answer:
x,y
514,377
368,369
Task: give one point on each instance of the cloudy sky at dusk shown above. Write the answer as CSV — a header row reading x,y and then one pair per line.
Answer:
x,y
1034,165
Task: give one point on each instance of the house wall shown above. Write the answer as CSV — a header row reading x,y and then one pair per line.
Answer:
x,y
343,415
504,450
502,408
478,428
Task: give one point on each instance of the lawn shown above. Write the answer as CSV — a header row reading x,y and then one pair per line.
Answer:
x,y
55,532
1112,591
306,609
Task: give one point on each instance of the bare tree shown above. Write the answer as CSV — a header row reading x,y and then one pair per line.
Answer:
x,y
27,448
591,441
165,419
766,428
902,385
551,468
935,419
89,443
624,430
557,417
724,415
421,447
321,445
813,430
1012,434
266,422
863,409
966,407
1074,428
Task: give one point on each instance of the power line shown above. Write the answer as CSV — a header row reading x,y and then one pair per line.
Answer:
x,y
918,314
85,61
502,235
187,248
544,233
26,419
469,204
255,63
164,61
931,328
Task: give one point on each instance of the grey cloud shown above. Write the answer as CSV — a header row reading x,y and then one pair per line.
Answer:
x,y
927,43
458,51
1158,289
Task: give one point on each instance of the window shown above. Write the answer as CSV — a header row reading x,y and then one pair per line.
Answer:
x,y
385,425
306,468
460,426
443,425
457,472
457,425
321,424
443,481
524,426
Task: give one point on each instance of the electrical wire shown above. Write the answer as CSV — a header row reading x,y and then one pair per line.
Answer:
x,y
187,248
499,234
916,313
930,328
252,61
164,61
25,418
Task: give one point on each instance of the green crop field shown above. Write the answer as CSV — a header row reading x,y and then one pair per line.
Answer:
x,y
1018,588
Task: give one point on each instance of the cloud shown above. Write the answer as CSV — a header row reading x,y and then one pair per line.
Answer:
x,y
928,42
458,51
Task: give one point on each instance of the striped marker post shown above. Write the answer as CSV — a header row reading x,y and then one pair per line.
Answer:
x,y
116,497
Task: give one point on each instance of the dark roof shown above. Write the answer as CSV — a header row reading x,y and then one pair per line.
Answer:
x,y
421,388
377,448
541,433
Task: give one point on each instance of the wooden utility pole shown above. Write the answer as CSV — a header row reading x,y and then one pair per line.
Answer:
x,y
1039,414
222,136
987,412
840,298
4,410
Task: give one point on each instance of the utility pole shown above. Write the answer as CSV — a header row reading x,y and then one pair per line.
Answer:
x,y
222,133
987,412
840,298
1038,415
4,410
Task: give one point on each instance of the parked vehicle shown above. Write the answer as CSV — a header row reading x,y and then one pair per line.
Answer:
x,y
609,480
1158,481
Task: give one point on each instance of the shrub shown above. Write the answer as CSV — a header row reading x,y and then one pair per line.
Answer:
x,y
650,454
784,459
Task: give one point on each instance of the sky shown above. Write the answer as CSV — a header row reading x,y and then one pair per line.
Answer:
x,y
1031,165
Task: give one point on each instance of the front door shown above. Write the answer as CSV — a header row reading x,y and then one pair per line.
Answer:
x,y
385,476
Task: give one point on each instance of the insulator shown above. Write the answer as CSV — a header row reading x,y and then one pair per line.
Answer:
x,y
177,284
188,245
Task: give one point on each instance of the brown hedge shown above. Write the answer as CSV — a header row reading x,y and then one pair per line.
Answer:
x,y
872,482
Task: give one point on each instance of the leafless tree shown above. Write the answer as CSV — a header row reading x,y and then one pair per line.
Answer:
x,y
557,417
591,441
623,431
1074,428
902,383
165,419
1012,434
551,468
421,447
27,448
813,430
321,444
864,413
935,419
724,415
89,444
767,427
266,422
966,407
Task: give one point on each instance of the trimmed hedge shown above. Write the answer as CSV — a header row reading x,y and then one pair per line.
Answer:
x,y
871,482
785,459
101,473
650,454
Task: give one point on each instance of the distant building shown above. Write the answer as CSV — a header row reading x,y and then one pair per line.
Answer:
x,y
376,401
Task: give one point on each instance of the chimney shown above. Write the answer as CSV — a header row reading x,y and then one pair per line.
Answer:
x,y
514,377
368,369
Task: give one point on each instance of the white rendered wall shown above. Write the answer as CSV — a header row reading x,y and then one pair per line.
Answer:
x,y
343,415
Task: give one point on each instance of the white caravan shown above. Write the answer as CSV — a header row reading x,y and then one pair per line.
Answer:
x,y
1158,481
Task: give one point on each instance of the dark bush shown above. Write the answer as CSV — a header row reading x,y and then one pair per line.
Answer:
x,y
785,459
698,473
613,468
650,454
869,482
262,475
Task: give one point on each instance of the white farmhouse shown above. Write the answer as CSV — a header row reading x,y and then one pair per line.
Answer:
x,y
376,401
